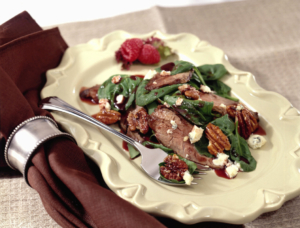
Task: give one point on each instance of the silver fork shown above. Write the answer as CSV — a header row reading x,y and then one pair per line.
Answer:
x,y
150,157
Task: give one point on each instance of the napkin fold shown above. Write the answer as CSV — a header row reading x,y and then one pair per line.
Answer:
x,y
59,172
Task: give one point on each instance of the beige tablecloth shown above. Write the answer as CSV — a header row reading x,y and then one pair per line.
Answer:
x,y
260,36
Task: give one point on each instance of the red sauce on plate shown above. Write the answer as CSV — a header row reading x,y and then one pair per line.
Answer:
x,y
168,66
259,131
125,146
221,173
90,101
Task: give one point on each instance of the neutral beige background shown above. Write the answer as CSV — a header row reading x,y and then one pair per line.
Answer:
x,y
260,36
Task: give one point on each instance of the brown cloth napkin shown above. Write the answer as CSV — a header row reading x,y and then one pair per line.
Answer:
x,y
59,172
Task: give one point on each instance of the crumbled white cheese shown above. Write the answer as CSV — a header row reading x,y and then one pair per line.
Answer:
x,y
205,89
150,74
222,105
186,156
169,131
239,107
167,105
183,87
188,178
179,101
221,160
237,164
174,125
120,99
154,82
185,138
104,104
196,134
116,79
165,73
107,106
229,163
256,141
231,171
199,99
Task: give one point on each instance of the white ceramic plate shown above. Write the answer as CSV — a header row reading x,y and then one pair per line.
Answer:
x,y
240,200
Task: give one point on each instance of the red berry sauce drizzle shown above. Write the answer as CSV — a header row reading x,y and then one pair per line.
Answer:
x,y
85,99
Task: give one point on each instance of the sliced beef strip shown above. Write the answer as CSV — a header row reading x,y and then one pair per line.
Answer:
x,y
216,99
90,93
159,121
159,81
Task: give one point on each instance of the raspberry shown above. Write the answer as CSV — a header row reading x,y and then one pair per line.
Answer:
x,y
131,48
149,55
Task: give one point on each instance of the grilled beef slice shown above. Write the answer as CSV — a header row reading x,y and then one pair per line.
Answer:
x,y
159,81
159,121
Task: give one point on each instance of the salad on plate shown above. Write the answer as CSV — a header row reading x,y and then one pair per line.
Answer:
x,y
183,109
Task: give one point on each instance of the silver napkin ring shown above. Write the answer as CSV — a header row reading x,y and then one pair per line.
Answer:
x,y
26,138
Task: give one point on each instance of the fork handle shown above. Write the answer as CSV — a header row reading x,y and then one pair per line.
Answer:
x,y
57,104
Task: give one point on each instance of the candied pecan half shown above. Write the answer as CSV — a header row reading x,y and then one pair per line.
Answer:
x,y
247,120
189,91
107,116
217,140
138,119
174,168
185,87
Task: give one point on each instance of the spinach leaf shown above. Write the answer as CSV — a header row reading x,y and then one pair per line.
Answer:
x,y
192,83
151,107
225,124
221,89
212,72
165,179
132,151
191,167
198,112
199,76
201,147
180,66
125,87
239,151
144,97
159,146
204,107
186,109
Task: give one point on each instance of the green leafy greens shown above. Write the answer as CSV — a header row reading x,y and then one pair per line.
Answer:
x,y
126,87
145,97
239,151
198,112
221,89
134,152
212,72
